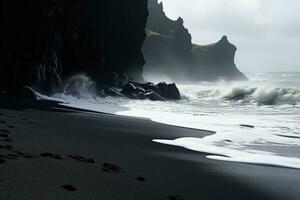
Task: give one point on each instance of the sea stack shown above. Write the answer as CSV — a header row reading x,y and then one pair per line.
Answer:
x,y
169,51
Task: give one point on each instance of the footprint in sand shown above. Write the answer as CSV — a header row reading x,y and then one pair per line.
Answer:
x,y
176,197
7,140
141,179
111,168
7,147
4,135
26,155
51,155
81,158
2,161
9,156
4,131
69,188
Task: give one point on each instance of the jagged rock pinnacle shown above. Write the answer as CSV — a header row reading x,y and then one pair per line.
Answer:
x,y
180,20
224,38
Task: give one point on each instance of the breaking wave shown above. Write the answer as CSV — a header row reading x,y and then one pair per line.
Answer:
x,y
258,95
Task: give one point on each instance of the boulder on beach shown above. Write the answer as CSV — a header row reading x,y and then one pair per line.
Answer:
x,y
142,91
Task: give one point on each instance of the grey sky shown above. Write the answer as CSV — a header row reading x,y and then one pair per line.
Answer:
x,y
266,32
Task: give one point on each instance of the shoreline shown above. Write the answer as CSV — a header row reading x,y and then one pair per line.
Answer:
x,y
104,156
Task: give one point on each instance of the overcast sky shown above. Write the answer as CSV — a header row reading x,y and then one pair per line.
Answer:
x,y
266,32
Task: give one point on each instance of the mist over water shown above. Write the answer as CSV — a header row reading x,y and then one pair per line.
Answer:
x,y
256,121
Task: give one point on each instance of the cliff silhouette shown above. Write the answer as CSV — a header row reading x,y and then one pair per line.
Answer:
x,y
45,42
169,51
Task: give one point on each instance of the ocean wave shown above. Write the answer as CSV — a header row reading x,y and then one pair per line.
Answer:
x,y
272,96
264,95
238,93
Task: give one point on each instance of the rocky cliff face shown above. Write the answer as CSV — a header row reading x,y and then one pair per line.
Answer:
x,y
168,43
169,51
210,62
43,42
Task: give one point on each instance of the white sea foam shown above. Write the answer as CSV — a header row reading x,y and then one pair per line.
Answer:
x,y
229,154
246,117
264,95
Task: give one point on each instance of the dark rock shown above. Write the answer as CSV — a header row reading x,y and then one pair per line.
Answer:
x,y
121,80
142,91
129,90
114,92
169,91
154,96
150,87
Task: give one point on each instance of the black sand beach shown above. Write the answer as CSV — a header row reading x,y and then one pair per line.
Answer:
x,y
50,152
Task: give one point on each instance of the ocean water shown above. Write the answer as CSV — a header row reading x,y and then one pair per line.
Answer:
x,y
256,122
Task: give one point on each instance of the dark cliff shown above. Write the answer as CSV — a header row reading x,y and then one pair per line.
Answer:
x,y
168,44
213,61
169,51
44,42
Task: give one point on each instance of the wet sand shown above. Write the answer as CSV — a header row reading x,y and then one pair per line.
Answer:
x,y
51,152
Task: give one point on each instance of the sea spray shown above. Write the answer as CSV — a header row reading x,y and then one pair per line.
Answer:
x,y
80,86
271,96
262,95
